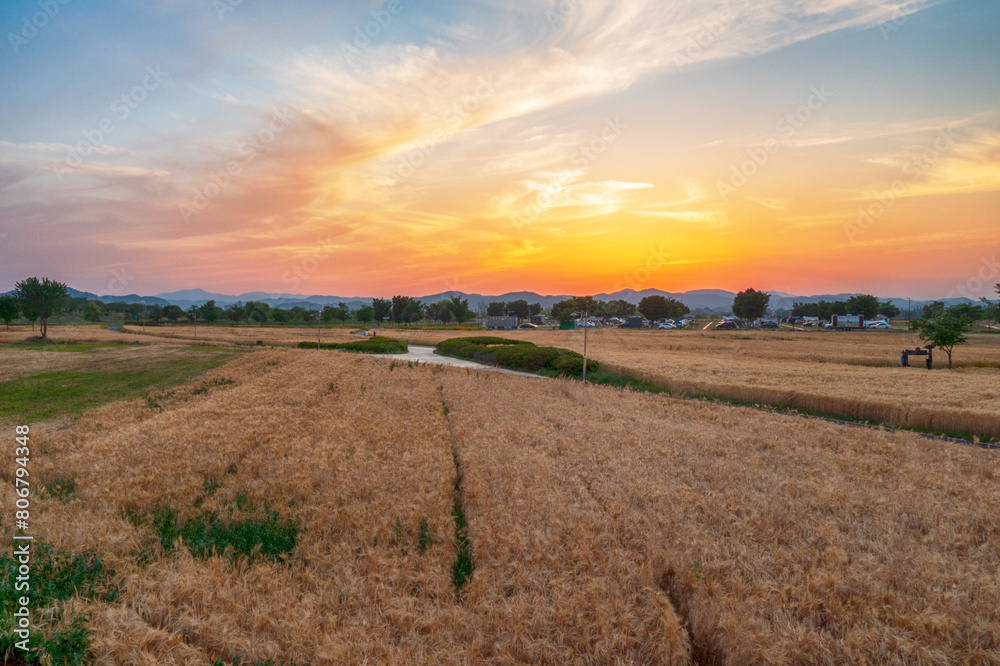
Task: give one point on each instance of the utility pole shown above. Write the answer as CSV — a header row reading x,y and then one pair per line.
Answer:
x,y
586,321
317,330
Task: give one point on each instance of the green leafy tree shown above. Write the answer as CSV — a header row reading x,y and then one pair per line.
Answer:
x,y
343,312
620,308
933,310
40,299
365,314
945,331
496,309
661,307
209,312
92,312
413,311
519,309
329,313
751,304
866,305
460,309
563,311
399,306
279,315
10,310
257,311
534,309
888,310
236,311
382,309
440,311
969,311
173,312
298,313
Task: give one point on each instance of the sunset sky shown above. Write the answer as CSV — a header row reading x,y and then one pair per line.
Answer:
x,y
802,146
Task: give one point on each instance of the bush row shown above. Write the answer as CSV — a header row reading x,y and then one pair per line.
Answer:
x,y
516,355
369,346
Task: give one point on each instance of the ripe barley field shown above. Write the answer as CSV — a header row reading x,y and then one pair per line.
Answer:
x,y
852,375
313,505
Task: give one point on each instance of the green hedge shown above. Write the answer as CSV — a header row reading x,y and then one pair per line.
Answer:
x,y
516,355
369,346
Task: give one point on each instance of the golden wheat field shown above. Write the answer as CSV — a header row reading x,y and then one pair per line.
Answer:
x,y
603,526
856,374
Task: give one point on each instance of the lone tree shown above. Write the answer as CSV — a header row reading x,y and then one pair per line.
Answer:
x,y
92,312
459,309
563,311
661,307
944,331
866,305
40,299
519,309
10,310
751,304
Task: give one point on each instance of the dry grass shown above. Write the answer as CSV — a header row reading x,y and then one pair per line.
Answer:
x,y
604,526
837,547
856,375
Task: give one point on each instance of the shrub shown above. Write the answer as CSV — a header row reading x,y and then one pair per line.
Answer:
x,y
516,355
369,346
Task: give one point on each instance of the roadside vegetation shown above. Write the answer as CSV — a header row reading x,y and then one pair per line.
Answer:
x,y
373,345
516,355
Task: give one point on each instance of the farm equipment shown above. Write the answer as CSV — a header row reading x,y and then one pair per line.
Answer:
x,y
928,351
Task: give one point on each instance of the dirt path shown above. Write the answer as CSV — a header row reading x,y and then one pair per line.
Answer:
x,y
422,354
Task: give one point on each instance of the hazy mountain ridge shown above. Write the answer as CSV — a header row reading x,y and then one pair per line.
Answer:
x,y
718,300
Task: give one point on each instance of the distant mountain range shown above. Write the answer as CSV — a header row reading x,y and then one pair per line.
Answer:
x,y
714,300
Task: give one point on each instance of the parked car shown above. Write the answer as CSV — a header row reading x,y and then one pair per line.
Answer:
x,y
878,324
668,326
527,325
769,324
726,324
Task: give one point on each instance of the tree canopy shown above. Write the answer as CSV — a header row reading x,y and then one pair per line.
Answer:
x,y
40,299
945,331
10,310
661,307
751,304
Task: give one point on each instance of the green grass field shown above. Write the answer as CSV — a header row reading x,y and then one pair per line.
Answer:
x,y
70,392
